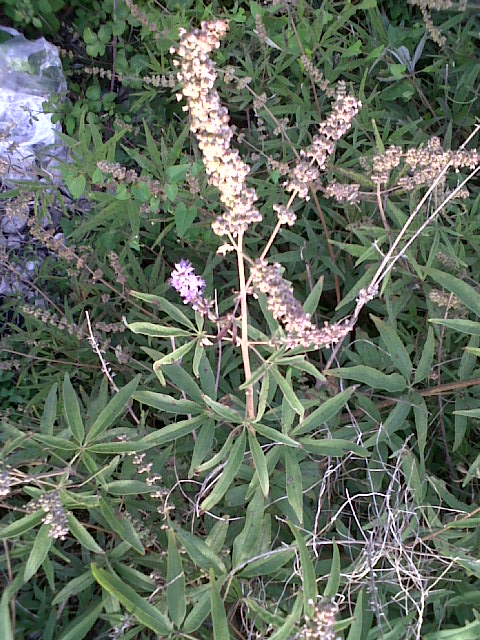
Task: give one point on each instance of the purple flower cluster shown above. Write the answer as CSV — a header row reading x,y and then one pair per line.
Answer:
x,y
188,285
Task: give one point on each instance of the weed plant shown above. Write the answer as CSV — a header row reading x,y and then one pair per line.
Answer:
x,y
275,204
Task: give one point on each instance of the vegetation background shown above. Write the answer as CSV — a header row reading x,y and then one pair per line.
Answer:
x,y
141,502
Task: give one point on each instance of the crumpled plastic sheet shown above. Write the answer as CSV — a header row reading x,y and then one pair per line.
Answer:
x,y
30,72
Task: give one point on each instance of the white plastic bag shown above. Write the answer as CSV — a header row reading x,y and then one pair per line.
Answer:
x,y
30,72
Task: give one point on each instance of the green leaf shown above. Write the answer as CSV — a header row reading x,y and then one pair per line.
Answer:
x,y
199,552
286,629
74,587
184,218
39,552
311,303
325,412
332,446
198,614
167,307
288,392
228,475
371,377
263,397
293,482
202,447
49,414
269,565
398,353
82,535
167,403
176,355
308,573
356,628
76,185
121,526
222,411
177,606
78,628
260,463
143,611
114,408
22,525
127,487
219,617
158,330
425,364
276,436
72,410
461,289
245,544
333,583
459,324
6,632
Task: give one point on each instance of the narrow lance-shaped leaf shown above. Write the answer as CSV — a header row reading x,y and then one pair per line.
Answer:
x,y
308,573
293,481
114,408
140,608
325,412
175,583
49,412
260,463
219,617
39,551
228,475
398,353
72,410
121,526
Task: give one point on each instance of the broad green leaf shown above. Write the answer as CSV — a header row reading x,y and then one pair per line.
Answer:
x,y
22,525
245,544
425,364
158,330
114,408
308,573
288,392
74,587
121,526
82,535
398,353
49,414
228,474
333,583
72,410
78,628
285,631
293,482
177,606
325,412
461,289
143,611
371,377
260,463
219,616
39,552
198,551
167,403
76,184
